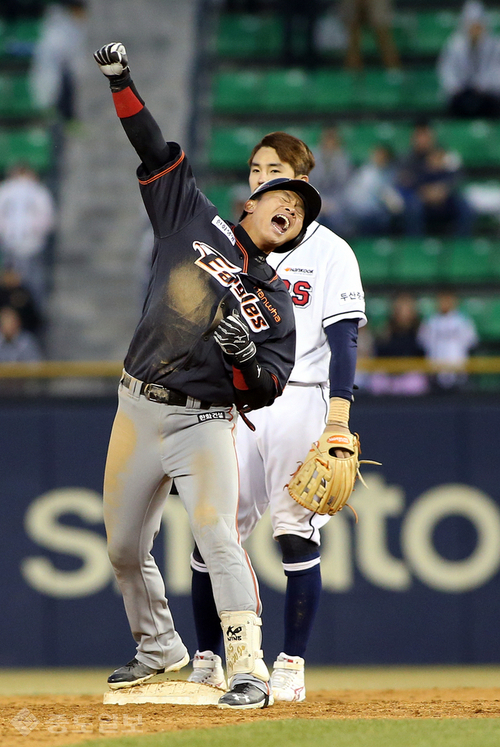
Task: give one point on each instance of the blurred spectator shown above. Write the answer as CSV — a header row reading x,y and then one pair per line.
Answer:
x,y
371,197
443,204
377,15
399,339
15,294
448,337
469,66
298,19
59,57
429,180
16,344
330,175
422,141
27,217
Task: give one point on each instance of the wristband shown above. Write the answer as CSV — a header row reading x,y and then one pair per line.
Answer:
x,y
338,413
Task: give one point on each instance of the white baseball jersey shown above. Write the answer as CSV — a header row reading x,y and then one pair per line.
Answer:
x,y
322,275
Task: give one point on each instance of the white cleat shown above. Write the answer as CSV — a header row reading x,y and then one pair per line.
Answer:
x,y
287,679
207,670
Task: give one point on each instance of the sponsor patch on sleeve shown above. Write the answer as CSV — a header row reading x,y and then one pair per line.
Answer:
x,y
224,228
351,296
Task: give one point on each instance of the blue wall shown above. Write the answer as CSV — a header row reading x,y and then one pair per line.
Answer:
x,y
414,581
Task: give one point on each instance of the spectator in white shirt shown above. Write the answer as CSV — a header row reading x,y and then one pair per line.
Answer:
x,y
27,218
59,57
469,66
447,338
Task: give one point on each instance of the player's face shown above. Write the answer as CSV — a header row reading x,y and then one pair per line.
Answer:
x,y
274,219
266,165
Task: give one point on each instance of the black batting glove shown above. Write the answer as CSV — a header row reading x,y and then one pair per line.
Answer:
x,y
113,62
233,336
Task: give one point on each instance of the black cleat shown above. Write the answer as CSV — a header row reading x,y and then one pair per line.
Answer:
x,y
133,673
245,695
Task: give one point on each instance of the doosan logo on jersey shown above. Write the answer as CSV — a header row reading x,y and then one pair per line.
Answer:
x,y
301,270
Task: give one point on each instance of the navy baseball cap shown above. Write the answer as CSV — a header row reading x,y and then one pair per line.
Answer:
x,y
310,196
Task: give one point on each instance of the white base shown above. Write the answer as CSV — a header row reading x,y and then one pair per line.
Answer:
x,y
174,691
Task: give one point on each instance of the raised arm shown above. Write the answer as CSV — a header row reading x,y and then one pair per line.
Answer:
x,y
138,122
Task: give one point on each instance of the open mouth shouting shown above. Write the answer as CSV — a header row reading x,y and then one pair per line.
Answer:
x,y
281,223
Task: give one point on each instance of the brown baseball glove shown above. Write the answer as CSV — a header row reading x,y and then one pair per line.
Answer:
x,y
324,482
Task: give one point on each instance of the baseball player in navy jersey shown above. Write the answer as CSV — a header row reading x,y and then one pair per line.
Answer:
x,y
322,276
216,336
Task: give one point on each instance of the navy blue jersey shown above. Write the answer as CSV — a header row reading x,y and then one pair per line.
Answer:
x,y
203,266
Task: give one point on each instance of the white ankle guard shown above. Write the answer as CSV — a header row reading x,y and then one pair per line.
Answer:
x,y
242,639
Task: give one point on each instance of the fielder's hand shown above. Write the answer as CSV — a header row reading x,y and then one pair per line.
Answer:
x,y
233,336
112,60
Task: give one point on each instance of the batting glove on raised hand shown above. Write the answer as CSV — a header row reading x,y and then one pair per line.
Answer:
x,y
112,60
233,336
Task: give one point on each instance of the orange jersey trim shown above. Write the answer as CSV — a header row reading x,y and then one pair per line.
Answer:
x,y
245,254
166,171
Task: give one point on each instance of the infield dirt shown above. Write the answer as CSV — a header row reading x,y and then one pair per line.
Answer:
x,y
58,720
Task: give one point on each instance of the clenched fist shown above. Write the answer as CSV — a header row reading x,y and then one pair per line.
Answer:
x,y
112,60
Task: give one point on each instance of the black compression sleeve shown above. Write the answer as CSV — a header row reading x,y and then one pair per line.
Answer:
x,y
343,340
147,139
139,124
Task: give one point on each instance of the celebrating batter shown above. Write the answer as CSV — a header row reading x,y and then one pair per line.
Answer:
x,y
323,279
216,337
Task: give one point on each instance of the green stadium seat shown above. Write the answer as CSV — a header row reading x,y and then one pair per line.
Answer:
x,y
432,30
426,305
20,37
238,92
221,196
244,35
360,137
421,92
32,146
15,96
323,91
477,141
286,90
485,311
230,147
469,261
377,311
333,90
418,261
375,259
382,89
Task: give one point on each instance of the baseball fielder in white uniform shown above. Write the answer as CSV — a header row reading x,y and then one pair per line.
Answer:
x,y
323,279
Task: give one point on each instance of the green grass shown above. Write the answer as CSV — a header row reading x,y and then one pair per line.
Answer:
x,y
302,732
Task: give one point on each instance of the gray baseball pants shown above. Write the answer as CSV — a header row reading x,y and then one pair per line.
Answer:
x,y
151,444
